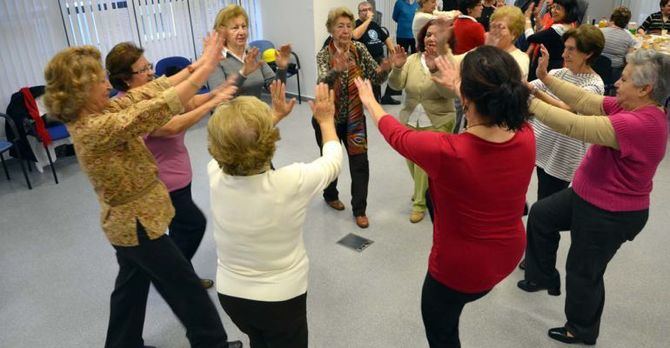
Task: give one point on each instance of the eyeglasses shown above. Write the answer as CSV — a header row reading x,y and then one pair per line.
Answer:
x,y
147,68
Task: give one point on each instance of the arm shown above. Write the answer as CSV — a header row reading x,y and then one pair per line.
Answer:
x,y
361,29
398,78
589,129
645,26
423,148
576,98
371,70
396,12
182,122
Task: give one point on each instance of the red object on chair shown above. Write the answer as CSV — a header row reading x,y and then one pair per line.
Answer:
x,y
31,106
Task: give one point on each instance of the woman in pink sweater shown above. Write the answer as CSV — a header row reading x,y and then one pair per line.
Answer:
x,y
608,203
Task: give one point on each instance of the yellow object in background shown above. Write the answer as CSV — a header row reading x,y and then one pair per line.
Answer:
x,y
270,55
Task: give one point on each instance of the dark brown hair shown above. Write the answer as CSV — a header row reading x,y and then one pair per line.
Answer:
x,y
589,39
621,16
421,36
491,79
119,63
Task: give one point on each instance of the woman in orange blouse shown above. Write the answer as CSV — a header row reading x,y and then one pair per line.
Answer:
x,y
135,205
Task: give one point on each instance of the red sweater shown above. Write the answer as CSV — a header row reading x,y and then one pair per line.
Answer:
x,y
478,190
468,33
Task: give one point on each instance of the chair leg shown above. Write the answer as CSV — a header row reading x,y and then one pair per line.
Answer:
x,y
4,166
51,163
23,167
297,75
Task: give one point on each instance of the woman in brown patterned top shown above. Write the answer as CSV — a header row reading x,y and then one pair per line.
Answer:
x,y
339,63
135,205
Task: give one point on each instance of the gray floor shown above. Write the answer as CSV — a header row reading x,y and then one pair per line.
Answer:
x,y
57,268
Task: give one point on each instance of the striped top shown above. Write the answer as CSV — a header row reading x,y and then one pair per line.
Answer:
x,y
655,23
557,154
617,43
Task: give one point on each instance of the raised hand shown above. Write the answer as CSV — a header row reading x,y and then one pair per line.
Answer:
x,y
542,64
323,106
449,76
444,33
529,11
283,57
224,92
212,48
495,33
384,66
365,91
281,107
399,57
251,62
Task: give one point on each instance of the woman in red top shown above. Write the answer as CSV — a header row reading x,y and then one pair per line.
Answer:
x,y
478,181
468,33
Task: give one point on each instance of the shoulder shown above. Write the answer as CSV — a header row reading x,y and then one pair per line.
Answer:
x,y
360,47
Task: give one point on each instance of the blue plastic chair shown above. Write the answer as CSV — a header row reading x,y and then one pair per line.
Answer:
x,y
56,132
7,145
171,65
293,68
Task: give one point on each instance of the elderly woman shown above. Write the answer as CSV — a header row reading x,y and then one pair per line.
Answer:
x,y
428,106
558,156
338,64
255,75
468,33
506,25
259,215
135,205
426,12
608,203
129,69
563,14
478,180
618,40
659,22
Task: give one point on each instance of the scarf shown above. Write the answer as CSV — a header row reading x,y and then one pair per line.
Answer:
x,y
31,106
356,131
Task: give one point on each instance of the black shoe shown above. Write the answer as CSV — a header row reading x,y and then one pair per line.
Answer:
x,y
389,101
528,286
561,334
235,344
522,265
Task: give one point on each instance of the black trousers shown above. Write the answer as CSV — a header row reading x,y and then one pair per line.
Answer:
x,y
359,169
280,324
596,236
377,89
161,263
441,309
189,223
408,44
547,185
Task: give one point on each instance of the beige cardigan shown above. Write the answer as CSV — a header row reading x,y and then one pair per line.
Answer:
x,y
438,101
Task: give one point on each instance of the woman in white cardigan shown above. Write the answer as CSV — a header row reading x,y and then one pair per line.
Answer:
x,y
427,106
259,214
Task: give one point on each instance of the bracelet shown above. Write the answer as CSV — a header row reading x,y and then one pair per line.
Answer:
x,y
193,84
190,69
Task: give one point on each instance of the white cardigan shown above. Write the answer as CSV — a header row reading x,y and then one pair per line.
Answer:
x,y
258,226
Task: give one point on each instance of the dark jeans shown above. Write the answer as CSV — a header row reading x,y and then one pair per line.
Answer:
x,y
359,169
441,309
547,185
281,324
596,236
161,263
188,224
408,44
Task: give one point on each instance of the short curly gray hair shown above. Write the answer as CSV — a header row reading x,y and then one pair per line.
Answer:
x,y
651,68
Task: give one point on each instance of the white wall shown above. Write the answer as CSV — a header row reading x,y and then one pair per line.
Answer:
x,y
302,23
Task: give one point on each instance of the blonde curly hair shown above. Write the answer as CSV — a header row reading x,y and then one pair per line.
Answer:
x,y
69,76
229,13
241,136
335,14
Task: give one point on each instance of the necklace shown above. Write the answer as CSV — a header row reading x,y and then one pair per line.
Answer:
x,y
477,125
